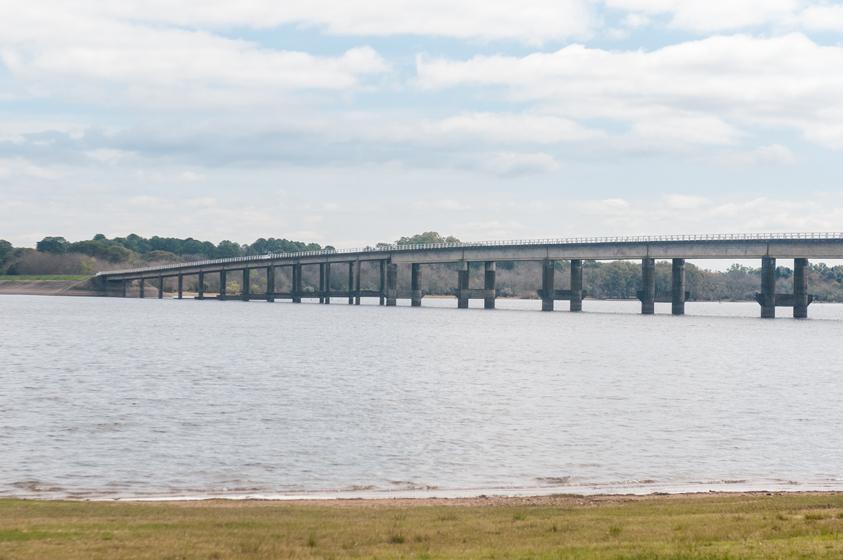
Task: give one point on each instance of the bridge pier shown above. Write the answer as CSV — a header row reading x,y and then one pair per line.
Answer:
x,y
223,281
490,270
181,286
391,285
351,283
576,285
415,285
141,284
800,289
648,286
357,283
160,287
548,294
270,284
678,287
768,288
462,286
125,288
325,283
296,283
200,286
245,289
382,282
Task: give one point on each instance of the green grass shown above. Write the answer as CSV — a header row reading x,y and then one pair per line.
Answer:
x,y
690,527
41,277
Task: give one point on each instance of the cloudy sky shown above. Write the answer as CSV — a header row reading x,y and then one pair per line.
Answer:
x,y
356,121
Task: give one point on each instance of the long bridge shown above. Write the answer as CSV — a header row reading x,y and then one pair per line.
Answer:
x,y
766,247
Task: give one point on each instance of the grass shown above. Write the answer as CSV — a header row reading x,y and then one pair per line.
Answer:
x,y
684,527
41,277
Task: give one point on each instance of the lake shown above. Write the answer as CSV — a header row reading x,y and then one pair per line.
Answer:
x,y
129,398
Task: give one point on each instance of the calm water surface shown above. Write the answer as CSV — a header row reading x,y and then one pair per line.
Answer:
x,y
145,398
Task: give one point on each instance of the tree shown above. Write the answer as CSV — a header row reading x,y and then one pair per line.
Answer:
x,y
55,245
227,249
427,237
6,250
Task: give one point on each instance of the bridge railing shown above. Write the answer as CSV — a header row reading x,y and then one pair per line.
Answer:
x,y
392,248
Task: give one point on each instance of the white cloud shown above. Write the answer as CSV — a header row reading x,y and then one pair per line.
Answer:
x,y
713,15
708,91
531,21
774,154
62,52
685,201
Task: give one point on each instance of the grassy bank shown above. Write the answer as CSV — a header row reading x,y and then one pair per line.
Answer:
x,y
674,527
43,278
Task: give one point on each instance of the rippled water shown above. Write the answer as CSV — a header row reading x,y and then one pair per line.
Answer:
x,y
148,398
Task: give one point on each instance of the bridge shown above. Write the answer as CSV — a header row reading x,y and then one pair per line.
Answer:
x,y
766,247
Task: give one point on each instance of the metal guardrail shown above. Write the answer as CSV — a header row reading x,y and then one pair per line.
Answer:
x,y
393,248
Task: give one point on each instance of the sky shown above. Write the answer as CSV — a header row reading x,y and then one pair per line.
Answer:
x,y
350,122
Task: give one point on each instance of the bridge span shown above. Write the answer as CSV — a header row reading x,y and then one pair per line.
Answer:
x,y
767,247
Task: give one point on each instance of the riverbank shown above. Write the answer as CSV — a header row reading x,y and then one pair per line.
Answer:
x,y
710,526
47,285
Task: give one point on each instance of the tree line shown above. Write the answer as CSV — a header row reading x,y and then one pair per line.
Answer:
x,y
605,280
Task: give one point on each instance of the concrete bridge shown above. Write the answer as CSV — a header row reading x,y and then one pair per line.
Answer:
x,y
765,247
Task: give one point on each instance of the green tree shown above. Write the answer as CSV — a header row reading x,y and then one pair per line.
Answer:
x,y
55,245
6,250
427,237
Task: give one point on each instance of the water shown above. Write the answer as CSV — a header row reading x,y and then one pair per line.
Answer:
x,y
107,398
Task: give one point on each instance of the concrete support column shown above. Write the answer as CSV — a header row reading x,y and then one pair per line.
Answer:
x,y
351,283
391,285
415,284
800,288
245,289
223,281
270,284
677,289
125,287
648,286
576,285
296,283
142,284
768,288
160,287
489,285
181,286
382,282
357,283
462,286
200,287
327,283
548,272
